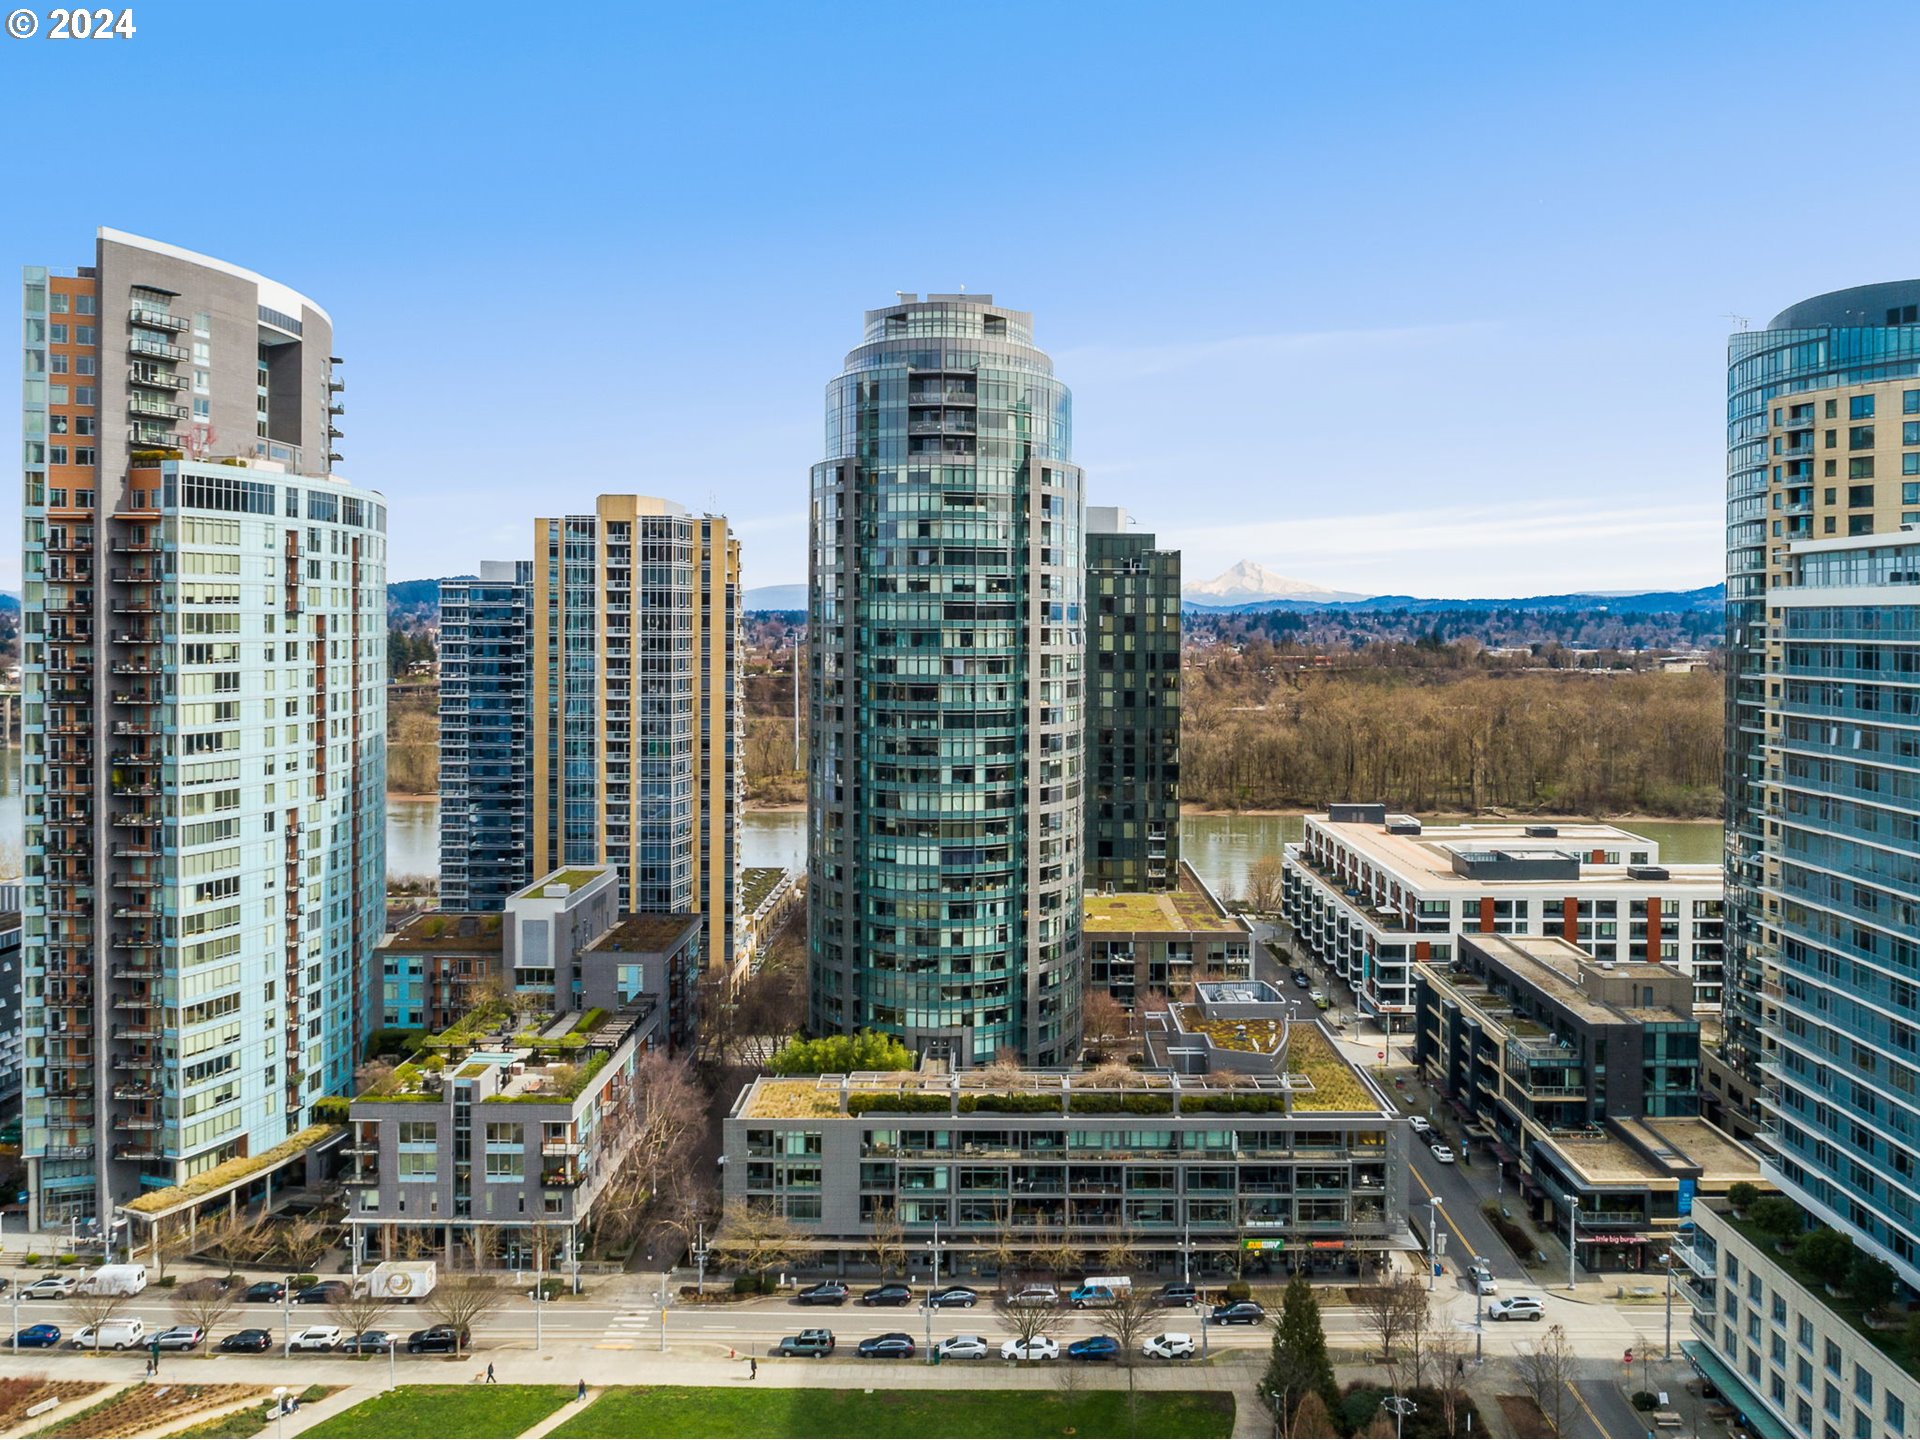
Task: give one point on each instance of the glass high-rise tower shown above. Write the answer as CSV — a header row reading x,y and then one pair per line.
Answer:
x,y
486,813
945,690
1803,462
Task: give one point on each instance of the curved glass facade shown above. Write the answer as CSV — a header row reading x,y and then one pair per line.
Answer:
x,y
1847,337
945,691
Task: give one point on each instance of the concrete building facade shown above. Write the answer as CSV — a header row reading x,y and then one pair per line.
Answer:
x,y
204,754
945,684
1162,942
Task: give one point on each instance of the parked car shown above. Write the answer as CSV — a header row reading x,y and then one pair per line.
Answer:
x,y
110,1335
1034,1295
327,1292
1038,1348
1442,1153
962,1347
37,1337
437,1340
1319,999
1483,1281
1240,1312
1089,1295
367,1342
827,1292
317,1337
50,1287
888,1295
179,1337
264,1292
1094,1347
1171,1296
247,1342
961,1296
815,1343
894,1345
4,1283
1302,979
1419,1124
1517,1307
1174,1345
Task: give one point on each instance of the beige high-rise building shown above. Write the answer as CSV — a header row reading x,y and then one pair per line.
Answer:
x,y
636,697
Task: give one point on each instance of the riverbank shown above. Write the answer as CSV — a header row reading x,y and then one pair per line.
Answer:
x,y
1461,817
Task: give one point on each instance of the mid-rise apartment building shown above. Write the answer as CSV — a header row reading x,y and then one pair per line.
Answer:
x,y
204,748
1372,895
486,803
636,703
1133,707
1304,1164
1159,943
946,634
1582,1078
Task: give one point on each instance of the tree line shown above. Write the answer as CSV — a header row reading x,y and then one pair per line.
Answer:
x,y
1271,736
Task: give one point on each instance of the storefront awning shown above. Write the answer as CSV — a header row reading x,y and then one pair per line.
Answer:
x,y
1736,1391
1613,1239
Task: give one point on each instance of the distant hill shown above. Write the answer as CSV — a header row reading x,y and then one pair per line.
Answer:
x,y
1647,602
775,597
9,600
1250,582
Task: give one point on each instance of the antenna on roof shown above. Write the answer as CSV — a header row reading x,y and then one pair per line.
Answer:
x,y
900,295
1739,320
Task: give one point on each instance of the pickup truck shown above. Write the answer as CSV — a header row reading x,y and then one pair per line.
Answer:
x,y
815,1343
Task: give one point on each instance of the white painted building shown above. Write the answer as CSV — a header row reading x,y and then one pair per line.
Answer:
x,y
1370,894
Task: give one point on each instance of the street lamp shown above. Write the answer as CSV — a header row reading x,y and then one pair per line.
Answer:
x,y
1573,1237
932,1289
1666,1259
1434,1203
1400,1407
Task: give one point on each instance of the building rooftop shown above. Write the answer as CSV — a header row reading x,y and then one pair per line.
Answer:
x,y
1427,860
549,887
1317,1080
447,930
757,882
1556,968
648,933
1188,909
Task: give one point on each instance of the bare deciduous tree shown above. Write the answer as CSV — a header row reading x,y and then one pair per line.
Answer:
x,y
92,1309
889,1242
1264,879
1130,1319
359,1312
1029,1322
302,1240
1446,1350
204,1303
755,1238
462,1300
1387,1309
1546,1370
1105,1024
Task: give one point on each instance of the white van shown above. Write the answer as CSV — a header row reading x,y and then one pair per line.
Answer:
x,y
113,1335
115,1280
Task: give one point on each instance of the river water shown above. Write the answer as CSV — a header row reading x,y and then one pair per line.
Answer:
x,y
1220,847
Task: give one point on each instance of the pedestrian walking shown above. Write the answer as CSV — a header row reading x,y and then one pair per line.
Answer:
x,y
753,1368
582,1395
490,1379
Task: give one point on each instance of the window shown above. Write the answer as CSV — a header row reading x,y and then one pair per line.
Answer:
x,y
86,395
56,454
200,382
1860,497
1860,437
202,408
1860,469
1829,526
56,364
1863,1384
85,365
1830,470
1832,412
86,455
57,303
1910,463
1859,525
202,353
203,325
57,334
1860,407
1833,1358
1910,401
1830,496
83,305
1896,1407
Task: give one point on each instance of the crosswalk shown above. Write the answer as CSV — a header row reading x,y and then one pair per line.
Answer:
x,y
626,1330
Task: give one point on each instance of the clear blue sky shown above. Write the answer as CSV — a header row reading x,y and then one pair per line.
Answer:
x,y
1390,298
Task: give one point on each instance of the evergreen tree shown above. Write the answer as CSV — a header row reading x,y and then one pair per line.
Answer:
x,y
1298,1365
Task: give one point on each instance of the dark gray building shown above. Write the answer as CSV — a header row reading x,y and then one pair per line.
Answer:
x,y
946,641
486,803
1133,706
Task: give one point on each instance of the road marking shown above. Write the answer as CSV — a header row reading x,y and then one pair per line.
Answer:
x,y
1445,1215
1598,1428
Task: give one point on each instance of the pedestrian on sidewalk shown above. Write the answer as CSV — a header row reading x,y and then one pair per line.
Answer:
x,y
582,1394
753,1368
490,1379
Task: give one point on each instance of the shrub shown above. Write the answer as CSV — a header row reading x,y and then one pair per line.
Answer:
x,y
1870,1281
743,1284
1239,1290
1018,1102
1775,1216
1645,1400
32,1257
330,1109
167,1282
1741,1194
841,1054
1827,1256
903,1104
301,1282
66,1259
552,1287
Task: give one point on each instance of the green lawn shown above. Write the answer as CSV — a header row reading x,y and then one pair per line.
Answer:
x,y
958,1414
485,1412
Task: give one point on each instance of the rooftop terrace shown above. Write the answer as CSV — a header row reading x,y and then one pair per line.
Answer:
x,y
562,883
1426,860
452,930
647,934
757,882
1187,909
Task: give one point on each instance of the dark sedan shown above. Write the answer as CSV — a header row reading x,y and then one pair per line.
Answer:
x,y
327,1292
894,1346
247,1342
264,1292
1094,1347
957,1296
437,1340
38,1337
1176,1294
827,1292
1240,1312
888,1295
367,1342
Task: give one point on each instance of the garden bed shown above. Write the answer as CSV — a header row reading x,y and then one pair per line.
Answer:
x,y
150,1405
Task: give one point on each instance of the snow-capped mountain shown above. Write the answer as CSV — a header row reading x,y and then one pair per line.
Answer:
x,y
1250,580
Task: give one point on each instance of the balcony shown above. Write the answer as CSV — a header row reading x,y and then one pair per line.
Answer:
x,y
159,409
158,320
142,1030
155,378
147,437
68,1152
157,349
